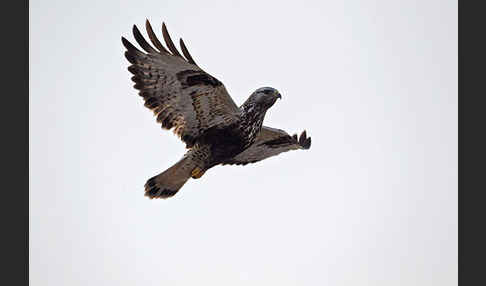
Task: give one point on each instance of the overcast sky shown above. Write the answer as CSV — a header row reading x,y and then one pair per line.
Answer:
x,y
373,202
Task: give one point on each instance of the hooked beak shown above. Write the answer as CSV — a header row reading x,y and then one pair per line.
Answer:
x,y
278,95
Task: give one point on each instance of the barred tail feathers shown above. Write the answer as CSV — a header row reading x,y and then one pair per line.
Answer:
x,y
168,183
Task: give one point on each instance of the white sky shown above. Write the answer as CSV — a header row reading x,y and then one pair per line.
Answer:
x,y
373,202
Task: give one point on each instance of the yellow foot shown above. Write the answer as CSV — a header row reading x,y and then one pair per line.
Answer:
x,y
197,173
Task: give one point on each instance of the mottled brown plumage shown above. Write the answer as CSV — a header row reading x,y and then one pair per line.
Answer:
x,y
197,107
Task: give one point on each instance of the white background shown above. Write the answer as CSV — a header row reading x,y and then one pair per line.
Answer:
x,y
373,202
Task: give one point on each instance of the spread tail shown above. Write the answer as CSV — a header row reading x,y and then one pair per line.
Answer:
x,y
167,183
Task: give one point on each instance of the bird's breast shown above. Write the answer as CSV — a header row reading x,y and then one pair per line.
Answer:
x,y
225,143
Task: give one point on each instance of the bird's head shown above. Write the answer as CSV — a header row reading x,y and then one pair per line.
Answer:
x,y
264,97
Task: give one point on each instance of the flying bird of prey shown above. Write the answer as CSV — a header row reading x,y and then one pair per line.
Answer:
x,y
201,112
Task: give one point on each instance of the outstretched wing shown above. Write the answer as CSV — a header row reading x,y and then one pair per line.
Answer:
x,y
180,94
270,142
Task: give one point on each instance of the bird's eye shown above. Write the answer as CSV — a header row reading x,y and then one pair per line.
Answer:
x,y
267,91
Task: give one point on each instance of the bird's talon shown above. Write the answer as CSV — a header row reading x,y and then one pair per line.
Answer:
x,y
197,173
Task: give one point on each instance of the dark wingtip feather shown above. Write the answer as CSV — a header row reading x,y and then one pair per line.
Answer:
x,y
186,52
168,41
129,45
135,79
153,38
302,138
141,41
133,69
130,57
304,141
307,143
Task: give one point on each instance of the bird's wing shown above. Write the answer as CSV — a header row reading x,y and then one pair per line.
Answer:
x,y
180,93
270,142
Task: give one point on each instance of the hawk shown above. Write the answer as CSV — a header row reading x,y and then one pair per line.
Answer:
x,y
198,108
